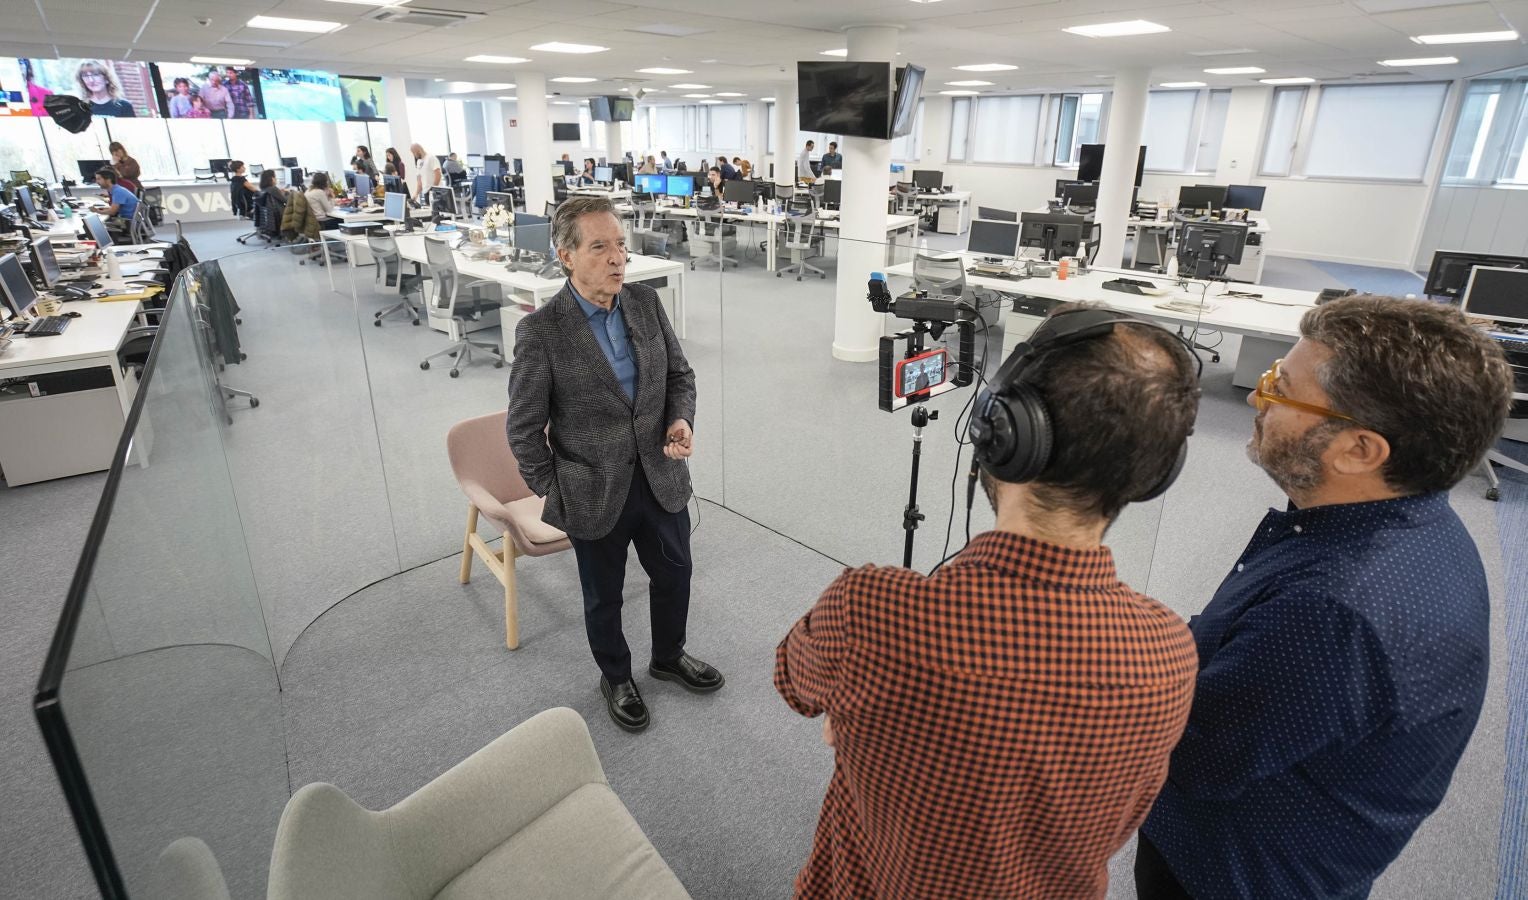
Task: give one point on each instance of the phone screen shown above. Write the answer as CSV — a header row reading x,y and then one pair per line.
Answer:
x,y
918,374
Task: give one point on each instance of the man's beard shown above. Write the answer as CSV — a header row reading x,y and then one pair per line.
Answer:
x,y
1294,463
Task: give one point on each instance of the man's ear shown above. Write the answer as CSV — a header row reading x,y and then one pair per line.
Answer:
x,y
1359,451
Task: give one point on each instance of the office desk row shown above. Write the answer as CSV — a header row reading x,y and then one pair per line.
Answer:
x,y
901,230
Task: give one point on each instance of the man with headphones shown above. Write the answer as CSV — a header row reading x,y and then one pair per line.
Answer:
x,y
1002,726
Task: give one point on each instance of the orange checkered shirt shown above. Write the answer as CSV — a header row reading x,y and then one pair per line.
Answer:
x,y
1000,729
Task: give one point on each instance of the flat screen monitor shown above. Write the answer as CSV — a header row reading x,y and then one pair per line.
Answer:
x,y
603,174
395,206
1245,196
852,99
533,233
297,177
500,198
652,184
599,109
18,292
1061,184
1205,250
363,184
442,201
1202,196
1080,194
219,166
1090,163
928,179
1450,270
736,191
909,89
519,166
307,95
560,169
493,168
392,184
1058,234
566,131
996,215
621,171
289,161
622,108
1497,293
681,186
45,262
832,193
999,239
97,231
24,202
88,167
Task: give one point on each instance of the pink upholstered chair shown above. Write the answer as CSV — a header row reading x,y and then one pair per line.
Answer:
x,y
485,468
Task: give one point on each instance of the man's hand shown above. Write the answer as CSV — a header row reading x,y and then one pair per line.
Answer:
x,y
680,439
827,730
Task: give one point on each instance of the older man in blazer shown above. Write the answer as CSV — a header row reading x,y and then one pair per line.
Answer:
x,y
601,406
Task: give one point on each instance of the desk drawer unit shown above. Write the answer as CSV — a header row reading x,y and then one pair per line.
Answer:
x,y
67,432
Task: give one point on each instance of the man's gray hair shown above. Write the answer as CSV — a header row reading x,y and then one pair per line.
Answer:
x,y
565,230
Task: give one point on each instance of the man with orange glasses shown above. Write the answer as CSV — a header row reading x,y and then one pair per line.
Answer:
x,y
1342,662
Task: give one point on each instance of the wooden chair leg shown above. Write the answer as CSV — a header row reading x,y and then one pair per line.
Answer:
x,y
511,599
472,516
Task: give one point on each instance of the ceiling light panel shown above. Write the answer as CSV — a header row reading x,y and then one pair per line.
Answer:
x,y
1182,84
281,23
1301,79
574,79
1236,70
1117,29
987,67
560,47
959,93
841,51
659,70
971,82
1470,37
689,87
497,60
1420,61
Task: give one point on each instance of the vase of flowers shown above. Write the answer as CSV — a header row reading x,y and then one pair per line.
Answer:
x,y
495,219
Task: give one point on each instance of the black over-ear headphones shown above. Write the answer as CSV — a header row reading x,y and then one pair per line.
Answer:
x,y
1011,428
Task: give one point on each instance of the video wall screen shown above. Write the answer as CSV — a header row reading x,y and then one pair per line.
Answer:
x,y
363,99
197,91
111,87
303,95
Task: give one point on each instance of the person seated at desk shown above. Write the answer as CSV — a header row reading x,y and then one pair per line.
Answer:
x,y
745,170
270,191
714,182
649,167
321,202
455,171
395,162
586,177
122,205
728,172
242,192
664,165
362,162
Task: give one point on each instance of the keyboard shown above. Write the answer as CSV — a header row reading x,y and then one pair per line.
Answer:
x,y
46,326
1135,286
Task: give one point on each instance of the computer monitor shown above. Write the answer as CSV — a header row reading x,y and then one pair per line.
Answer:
x,y
45,262
681,186
297,176
1080,194
392,184
928,179
16,289
493,168
395,207
832,193
1061,184
738,192
219,166
1245,196
1202,196
97,231
567,166
363,185
88,167
621,171
652,184
1450,270
996,215
350,179
1000,239
442,201
289,162
559,170
1058,234
764,190
501,198
604,174
1204,250
533,233
1497,293
519,166
24,202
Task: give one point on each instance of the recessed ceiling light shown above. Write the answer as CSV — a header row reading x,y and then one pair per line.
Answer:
x,y
1469,37
1236,51
497,60
1299,79
689,87
959,93
1421,61
372,2
659,70
987,67
766,99
220,61
973,82
841,51
925,1
573,79
1117,29
1236,70
440,79
281,23
562,103
708,102
560,47
1181,84
696,96
506,98
729,94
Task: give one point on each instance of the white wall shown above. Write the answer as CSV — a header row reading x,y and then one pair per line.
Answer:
x,y
1484,220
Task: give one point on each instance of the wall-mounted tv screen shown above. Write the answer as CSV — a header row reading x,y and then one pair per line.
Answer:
x,y
199,91
612,108
565,131
909,89
111,87
306,95
852,99
363,98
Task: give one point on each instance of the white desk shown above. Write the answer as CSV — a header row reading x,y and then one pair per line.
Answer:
x,y
1250,269
772,223
954,215
1269,327
69,432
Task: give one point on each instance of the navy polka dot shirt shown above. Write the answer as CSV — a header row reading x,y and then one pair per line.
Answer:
x,y
1342,666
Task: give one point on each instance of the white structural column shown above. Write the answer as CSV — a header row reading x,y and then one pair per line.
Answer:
x,y
397,119
862,229
1127,115
535,139
785,131
754,131
615,148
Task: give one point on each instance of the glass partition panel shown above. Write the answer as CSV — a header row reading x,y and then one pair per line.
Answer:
x,y
196,142
304,140
67,149
22,147
148,141
253,141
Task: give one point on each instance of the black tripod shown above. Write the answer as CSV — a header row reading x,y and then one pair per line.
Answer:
x,y
911,516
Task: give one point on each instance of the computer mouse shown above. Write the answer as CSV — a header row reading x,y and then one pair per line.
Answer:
x,y
94,285
71,315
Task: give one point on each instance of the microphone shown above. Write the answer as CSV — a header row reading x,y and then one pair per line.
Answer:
x,y
880,294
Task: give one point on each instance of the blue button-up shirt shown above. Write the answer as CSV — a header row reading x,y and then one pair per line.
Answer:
x,y
610,333
1342,666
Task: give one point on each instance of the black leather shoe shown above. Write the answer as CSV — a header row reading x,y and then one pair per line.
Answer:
x,y
625,704
688,671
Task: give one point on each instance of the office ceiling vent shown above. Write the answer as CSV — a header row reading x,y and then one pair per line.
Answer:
x,y
425,18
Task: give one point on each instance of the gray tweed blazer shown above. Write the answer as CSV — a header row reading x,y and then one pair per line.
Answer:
x,y
574,434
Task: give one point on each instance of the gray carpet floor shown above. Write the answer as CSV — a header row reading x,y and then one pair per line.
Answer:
x,y
338,482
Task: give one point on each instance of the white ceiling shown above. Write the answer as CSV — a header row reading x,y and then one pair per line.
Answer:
x,y
751,46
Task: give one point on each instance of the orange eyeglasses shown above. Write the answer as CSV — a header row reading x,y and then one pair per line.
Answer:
x,y
1265,395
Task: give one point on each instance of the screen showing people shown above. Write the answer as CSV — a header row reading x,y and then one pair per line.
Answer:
x,y
199,91
920,373
110,87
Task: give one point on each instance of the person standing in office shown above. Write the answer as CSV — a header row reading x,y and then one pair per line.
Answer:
x,y
363,160
1000,728
832,158
121,204
129,173
601,411
804,164
649,167
428,171
726,169
1343,662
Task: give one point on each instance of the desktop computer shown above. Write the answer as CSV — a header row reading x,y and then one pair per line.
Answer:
x,y
362,184
24,202
652,184
604,175
1205,250
928,180
1245,196
289,162
297,177
500,198
442,201
45,263
1497,293
1211,197
996,240
738,192
97,231
1058,234
1450,270
832,193
219,166
88,167
1080,195
680,186
395,207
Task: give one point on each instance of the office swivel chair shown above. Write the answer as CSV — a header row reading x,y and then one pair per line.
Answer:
x,y
203,173
384,249
711,239
459,299
141,230
803,236
550,209
942,275
259,217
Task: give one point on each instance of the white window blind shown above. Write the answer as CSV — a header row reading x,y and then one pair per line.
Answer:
x,y
1283,126
1212,131
668,129
1381,131
727,126
198,140
960,127
148,141
254,142
22,148
1168,131
427,126
456,129
1006,129
304,140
